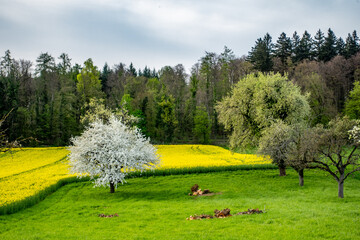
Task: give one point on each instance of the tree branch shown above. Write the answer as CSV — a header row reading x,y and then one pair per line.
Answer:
x,y
351,172
326,168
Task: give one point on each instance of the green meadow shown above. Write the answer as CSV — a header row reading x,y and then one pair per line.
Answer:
x,y
156,207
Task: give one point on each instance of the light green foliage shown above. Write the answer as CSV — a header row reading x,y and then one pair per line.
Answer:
x,y
202,125
166,111
256,102
167,107
88,82
126,101
96,109
352,104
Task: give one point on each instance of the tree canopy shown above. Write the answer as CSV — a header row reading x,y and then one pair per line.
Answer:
x,y
50,96
109,151
338,149
352,104
256,102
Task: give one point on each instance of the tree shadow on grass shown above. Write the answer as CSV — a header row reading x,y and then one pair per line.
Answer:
x,y
137,194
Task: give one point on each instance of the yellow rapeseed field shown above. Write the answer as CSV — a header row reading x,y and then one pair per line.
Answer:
x,y
28,171
179,156
20,186
26,159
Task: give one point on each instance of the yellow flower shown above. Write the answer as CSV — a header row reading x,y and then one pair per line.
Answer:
x,y
180,156
27,159
31,170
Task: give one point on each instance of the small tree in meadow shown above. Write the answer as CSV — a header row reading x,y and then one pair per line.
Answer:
x,y
289,145
276,142
303,150
107,151
338,149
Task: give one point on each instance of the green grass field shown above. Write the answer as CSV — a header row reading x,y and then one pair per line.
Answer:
x,y
157,207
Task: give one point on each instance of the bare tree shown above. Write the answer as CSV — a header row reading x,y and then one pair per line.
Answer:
x,y
5,144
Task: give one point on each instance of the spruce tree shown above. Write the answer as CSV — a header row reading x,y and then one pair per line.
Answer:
x,y
318,44
305,50
340,47
352,45
132,70
260,54
295,47
329,48
104,75
282,48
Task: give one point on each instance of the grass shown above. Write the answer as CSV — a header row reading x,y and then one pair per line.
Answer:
x,y
156,207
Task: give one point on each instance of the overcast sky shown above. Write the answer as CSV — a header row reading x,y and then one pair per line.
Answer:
x,y
158,32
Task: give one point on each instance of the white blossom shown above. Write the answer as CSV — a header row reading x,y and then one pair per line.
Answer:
x,y
354,134
109,151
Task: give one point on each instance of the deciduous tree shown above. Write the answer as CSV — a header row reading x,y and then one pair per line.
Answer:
x,y
256,102
202,125
352,104
338,148
109,151
88,82
276,142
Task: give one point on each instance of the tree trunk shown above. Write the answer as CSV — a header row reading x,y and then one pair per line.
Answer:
x,y
282,171
301,177
112,187
341,188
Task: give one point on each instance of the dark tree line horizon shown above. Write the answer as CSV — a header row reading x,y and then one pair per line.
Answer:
x,y
172,106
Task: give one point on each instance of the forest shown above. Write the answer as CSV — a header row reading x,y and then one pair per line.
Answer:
x,y
47,100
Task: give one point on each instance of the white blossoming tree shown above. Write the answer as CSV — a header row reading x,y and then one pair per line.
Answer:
x,y
108,151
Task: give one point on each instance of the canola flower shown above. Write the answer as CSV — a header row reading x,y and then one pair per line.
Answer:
x,y
21,186
27,172
187,156
26,159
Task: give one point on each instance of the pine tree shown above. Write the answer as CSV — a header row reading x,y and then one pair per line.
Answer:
x,y
305,50
132,70
45,63
340,47
282,48
318,44
260,54
295,47
65,65
352,44
329,47
104,77
146,72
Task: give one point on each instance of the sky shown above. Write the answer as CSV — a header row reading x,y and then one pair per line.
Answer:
x,y
158,33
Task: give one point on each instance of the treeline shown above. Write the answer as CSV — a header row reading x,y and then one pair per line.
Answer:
x,y
171,105
324,66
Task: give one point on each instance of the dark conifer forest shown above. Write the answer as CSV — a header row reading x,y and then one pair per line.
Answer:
x,y
47,99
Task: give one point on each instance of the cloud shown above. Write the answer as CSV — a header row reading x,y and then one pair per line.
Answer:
x,y
158,32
